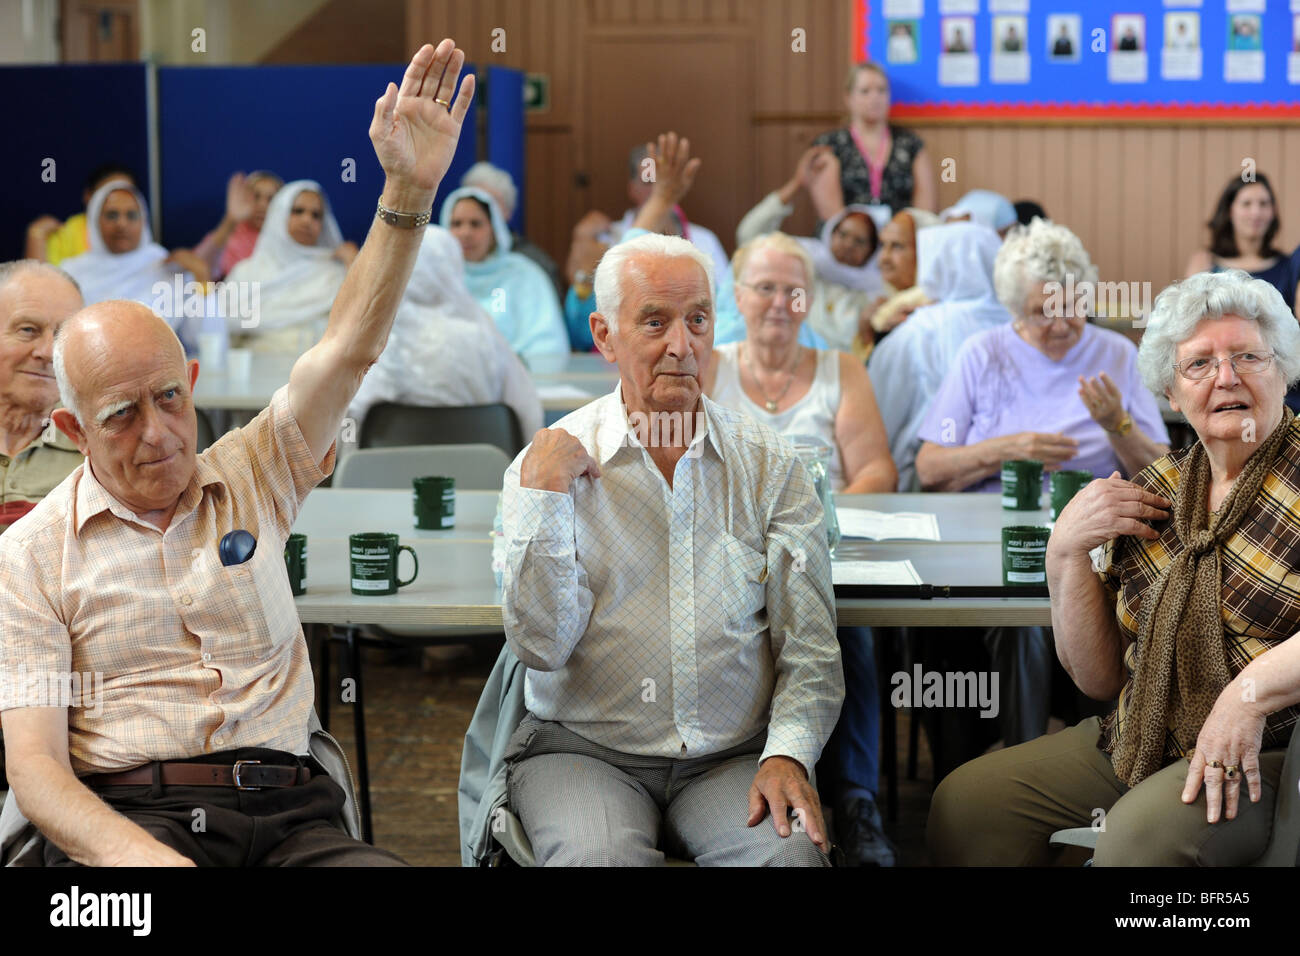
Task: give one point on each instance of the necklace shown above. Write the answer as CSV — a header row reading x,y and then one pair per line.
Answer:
x,y
771,404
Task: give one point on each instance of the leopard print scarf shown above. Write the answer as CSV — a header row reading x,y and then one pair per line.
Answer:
x,y
1182,664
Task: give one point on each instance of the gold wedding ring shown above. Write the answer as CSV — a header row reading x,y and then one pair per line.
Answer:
x,y
443,103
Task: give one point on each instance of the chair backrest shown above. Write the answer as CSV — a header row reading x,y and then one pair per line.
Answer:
x,y
475,467
388,424
206,435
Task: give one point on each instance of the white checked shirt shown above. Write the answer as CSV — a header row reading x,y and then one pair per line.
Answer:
x,y
676,621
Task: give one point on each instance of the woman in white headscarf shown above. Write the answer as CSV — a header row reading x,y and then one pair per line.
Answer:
x,y
444,349
124,262
513,289
955,270
298,264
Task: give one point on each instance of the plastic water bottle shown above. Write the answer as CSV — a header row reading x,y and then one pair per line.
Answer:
x,y
816,456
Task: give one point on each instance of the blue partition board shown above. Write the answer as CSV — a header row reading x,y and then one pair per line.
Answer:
x,y
78,116
505,127
302,122
1082,85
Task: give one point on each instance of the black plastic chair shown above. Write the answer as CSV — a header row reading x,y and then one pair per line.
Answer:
x,y
387,425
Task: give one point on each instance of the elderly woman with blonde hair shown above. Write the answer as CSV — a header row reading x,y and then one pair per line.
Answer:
x,y
1187,614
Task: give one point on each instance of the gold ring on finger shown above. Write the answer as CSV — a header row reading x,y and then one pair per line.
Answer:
x,y
443,103
1215,764
1230,772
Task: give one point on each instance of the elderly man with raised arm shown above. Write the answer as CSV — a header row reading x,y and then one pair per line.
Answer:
x,y
131,570
668,587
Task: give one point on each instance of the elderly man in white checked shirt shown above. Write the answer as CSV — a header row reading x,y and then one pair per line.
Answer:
x,y
668,586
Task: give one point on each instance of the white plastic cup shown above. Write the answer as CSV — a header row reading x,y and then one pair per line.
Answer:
x,y
212,347
239,364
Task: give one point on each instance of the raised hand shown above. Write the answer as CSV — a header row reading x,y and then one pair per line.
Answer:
x,y
674,169
239,199
413,132
1103,400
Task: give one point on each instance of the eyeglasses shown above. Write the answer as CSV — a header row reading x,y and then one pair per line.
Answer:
x,y
768,290
1243,363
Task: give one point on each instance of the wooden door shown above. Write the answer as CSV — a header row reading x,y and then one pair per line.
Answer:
x,y
651,82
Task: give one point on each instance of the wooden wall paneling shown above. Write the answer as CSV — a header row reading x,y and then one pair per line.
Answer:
x,y
1192,208
1055,181
1081,193
1166,255
792,69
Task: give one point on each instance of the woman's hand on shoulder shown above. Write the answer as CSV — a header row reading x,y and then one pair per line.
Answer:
x,y
1105,509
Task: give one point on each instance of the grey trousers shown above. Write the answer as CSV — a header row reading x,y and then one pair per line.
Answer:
x,y
1000,809
586,805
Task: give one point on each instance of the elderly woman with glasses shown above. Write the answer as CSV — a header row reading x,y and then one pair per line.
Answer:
x,y
1047,386
1176,593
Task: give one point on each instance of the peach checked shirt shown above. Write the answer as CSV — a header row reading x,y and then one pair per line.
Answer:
x,y
175,654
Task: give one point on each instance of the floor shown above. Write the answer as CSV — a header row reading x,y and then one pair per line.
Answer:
x,y
416,715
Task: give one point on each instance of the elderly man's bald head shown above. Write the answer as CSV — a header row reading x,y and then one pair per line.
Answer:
x,y
99,331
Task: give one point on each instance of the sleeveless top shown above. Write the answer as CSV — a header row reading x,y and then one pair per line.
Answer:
x,y
897,183
814,414
1281,275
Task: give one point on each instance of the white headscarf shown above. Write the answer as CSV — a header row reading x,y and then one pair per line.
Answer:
x,y
444,349
955,267
863,278
985,207
297,283
517,292
131,275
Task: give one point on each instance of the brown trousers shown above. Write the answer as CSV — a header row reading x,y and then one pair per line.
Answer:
x,y
1000,809
222,826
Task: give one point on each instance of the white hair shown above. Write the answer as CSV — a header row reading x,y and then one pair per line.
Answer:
x,y
1039,253
778,242
613,266
1212,295
67,394
12,270
496,181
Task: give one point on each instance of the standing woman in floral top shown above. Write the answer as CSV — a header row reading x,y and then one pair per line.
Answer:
x,y
879,164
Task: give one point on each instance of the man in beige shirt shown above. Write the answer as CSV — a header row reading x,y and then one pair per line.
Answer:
x,y
200,683
35,299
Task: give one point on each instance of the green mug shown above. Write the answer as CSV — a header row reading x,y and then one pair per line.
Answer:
x,y
435,502
1022,485
295,562
1024,554
373,556
1065,485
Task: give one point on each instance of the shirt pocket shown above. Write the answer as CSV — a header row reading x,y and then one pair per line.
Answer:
x,y
260,616
744,583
